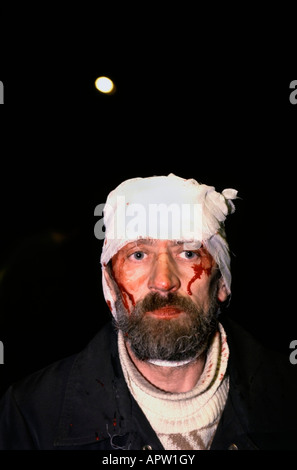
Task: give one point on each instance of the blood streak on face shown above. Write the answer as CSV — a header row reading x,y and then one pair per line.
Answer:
x,y
124,293
199,269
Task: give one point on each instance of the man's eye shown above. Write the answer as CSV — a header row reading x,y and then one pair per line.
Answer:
x,y
137,255
189,255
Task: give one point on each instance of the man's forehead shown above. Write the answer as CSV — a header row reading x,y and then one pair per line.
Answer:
x,y
185,244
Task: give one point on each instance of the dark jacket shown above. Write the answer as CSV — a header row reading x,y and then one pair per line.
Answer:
x,y
83,402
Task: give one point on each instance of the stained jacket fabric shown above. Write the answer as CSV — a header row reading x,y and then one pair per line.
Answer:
x,y
82,402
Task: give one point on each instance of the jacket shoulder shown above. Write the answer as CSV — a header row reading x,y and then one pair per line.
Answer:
x,y
53,378
263,389
36,402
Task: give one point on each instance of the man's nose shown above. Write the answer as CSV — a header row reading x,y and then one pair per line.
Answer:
x,y
163,278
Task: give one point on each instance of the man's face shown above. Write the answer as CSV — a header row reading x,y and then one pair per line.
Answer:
x,y
167,298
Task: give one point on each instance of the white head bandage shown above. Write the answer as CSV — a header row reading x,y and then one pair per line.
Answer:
x,y
171,208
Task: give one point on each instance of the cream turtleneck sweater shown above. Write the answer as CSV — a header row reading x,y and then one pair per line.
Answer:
x,y
183,421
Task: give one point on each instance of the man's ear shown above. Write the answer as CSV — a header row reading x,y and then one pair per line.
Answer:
x,y
222,290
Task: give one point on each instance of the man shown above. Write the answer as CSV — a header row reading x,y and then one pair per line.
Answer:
x,y
167,373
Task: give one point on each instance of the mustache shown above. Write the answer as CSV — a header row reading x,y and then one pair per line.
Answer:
x,y
154,301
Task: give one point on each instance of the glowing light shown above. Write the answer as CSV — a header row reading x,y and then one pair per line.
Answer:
x,y
104,85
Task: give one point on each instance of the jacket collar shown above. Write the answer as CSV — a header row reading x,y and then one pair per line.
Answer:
x,y
230,434
232,431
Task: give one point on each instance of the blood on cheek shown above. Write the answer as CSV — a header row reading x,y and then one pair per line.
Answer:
x,y
199,269
126,296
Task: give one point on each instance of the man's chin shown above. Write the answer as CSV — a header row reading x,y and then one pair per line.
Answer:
x,y
171,339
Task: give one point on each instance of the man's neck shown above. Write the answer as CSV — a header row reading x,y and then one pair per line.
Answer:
x,y
170,379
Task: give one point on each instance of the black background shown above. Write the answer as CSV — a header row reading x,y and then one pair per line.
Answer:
x,y
210,104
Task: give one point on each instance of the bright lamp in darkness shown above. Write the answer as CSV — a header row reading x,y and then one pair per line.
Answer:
x,y
104,85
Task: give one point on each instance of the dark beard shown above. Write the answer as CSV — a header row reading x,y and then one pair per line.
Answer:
x,y
175,339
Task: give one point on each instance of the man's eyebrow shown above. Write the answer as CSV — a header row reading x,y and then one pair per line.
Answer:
x,y
145,241
190,244
152,241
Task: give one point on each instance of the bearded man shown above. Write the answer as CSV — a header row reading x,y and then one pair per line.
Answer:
x,y
167,372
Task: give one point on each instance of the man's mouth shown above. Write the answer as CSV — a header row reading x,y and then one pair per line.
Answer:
x,y
166,312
